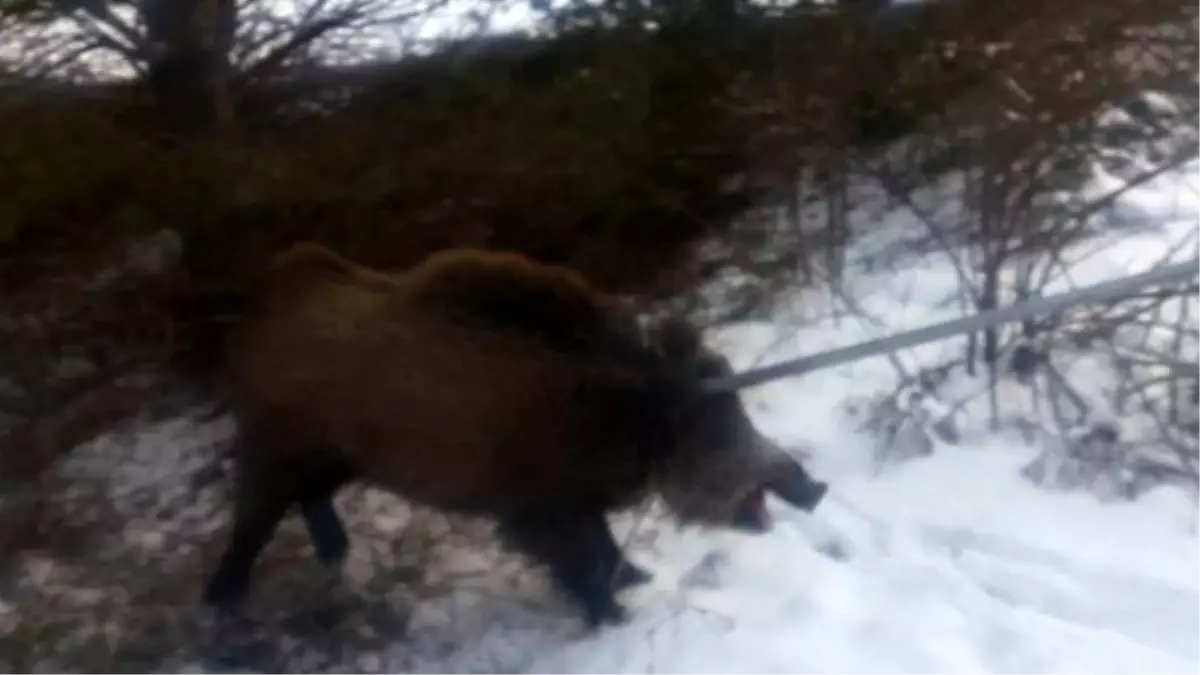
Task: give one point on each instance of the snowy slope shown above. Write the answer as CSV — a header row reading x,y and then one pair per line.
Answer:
x,y
949,563
956,564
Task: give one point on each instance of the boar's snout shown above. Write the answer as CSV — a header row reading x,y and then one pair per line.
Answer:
x,y
723,466
793,484
806,495
751,514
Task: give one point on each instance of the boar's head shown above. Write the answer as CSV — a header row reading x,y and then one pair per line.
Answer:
x,y
720,466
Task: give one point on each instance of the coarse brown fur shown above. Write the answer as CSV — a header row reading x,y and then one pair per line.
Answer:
x,y
481,383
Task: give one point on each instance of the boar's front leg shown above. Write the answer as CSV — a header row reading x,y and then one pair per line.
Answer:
x,y
578,548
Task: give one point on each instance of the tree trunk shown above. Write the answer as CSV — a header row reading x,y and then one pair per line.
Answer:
x,y
189,43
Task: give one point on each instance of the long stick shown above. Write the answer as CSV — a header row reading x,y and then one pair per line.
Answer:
x,y
1106,290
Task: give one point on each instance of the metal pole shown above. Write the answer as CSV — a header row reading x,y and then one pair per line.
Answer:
x,y
1106,290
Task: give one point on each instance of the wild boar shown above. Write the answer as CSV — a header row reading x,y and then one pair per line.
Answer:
x,y
483,383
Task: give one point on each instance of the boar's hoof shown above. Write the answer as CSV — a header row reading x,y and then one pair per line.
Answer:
x,y
226,592
578,548
237,643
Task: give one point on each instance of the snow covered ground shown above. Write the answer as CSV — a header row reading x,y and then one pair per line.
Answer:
x,y
947,563
955,563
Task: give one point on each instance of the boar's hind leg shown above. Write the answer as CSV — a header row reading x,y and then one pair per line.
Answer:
x,y
256,515
321,519
578,549
262,498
